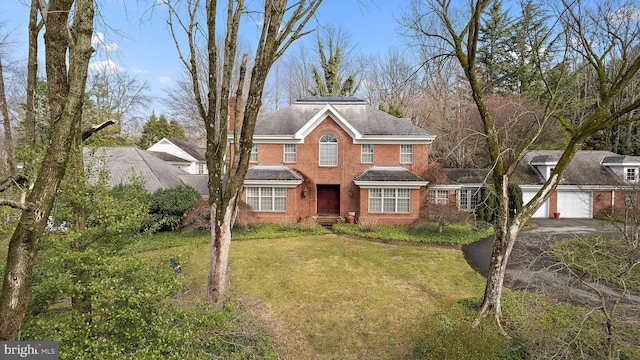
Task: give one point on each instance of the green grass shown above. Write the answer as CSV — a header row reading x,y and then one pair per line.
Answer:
x,y
606,258
331,297
452,234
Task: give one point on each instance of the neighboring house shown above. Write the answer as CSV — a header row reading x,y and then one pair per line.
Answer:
x,y
181,154
336,156
595,183
126,163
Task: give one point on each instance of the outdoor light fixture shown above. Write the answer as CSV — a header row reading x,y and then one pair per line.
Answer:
x,y
305,192
350,192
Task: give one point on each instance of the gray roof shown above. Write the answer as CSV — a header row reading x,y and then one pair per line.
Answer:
x,y
168,157
272,172
467,176
388,173
199,182
363,117
621,160
197,152
125,162
585,168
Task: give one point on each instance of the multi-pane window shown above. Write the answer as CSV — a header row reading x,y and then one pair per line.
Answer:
x,y
254,153
389,200
328,150
200,169
267,198
290,153
406,154
468,199
438,197
366,153
631,175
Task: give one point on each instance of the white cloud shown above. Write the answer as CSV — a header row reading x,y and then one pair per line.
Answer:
x,y
165,79
624,15
139,71
107,66
97,40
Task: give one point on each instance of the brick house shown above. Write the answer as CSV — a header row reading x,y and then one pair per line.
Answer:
x,y
334,157
595,183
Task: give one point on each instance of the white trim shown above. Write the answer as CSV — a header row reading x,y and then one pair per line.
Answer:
x,y
273,183
391,184
163,145
327,111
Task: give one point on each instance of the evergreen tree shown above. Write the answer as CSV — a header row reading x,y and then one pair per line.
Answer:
x,y
330,82
494,51
157,128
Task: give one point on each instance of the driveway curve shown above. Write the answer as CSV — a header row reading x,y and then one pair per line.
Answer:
x,y
531,268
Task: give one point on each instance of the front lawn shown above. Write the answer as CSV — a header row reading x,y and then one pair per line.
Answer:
x,y
452,234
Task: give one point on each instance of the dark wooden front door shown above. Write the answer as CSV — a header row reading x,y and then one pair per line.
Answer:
x,y
329,199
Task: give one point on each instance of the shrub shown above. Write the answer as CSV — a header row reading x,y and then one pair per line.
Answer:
x,y
167,206
287,224
368,224
309,224
441,215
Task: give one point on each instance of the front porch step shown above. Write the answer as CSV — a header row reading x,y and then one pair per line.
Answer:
x,y
327,219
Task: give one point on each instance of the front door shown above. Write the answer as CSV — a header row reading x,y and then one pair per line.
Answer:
x,y
329,199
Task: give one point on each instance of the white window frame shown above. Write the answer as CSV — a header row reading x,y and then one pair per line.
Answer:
x,y
201,169
438,197
390,200
468,199
367,153
406,153
267,198
631,175
328,151
290,153
254,154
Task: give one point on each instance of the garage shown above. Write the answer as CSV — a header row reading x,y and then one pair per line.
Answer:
x,y
527,195
575,203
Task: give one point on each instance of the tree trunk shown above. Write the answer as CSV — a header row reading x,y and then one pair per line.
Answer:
x,y
66,91
8,138
219,262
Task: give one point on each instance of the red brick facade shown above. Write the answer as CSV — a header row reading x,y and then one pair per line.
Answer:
x,y
302,201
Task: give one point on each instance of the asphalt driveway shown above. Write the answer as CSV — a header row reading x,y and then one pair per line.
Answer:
x,y
531,268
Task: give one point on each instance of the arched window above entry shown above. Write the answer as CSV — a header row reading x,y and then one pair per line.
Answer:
x,y
328,150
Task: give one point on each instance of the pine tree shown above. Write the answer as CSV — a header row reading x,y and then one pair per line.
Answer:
x,y
330,83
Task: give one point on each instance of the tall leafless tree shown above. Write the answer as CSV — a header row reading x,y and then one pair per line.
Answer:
x,y
67,40
587,35
281,23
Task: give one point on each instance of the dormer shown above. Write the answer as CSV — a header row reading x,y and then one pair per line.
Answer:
x,y
626,167
544,164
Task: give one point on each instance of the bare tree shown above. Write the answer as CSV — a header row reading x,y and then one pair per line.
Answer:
x,y
69,26
117,96
588,35
281,24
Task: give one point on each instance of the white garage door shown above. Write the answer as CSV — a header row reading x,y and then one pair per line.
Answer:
x,y
575,204
543,211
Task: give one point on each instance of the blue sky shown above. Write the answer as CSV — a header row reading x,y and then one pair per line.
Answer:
x,y
137,41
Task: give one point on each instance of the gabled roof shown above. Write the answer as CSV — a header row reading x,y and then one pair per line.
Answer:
x,y
362,121
378,175
197,152
585,169
179,149
125,162
168,157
